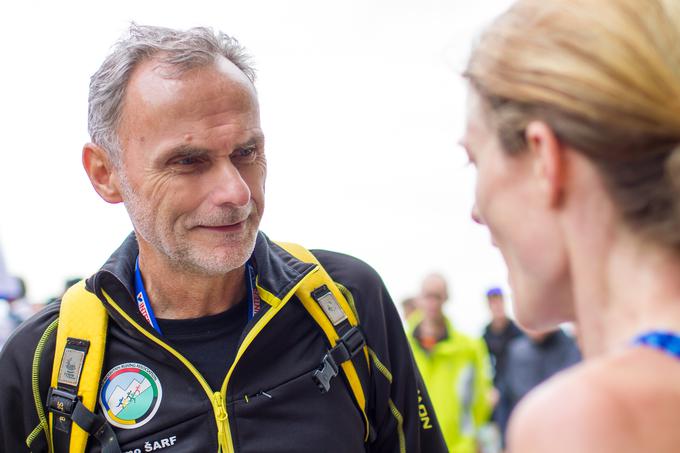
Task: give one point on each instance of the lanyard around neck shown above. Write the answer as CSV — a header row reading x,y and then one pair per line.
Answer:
x,y
143,299
146,310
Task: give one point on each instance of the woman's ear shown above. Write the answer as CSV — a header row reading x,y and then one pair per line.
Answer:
x,y
102,173
549,165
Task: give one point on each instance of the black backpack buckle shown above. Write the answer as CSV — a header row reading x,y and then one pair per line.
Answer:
x,y
327,371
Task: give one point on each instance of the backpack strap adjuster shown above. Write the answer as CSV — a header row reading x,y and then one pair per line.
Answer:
x,y
349,345
67,407
61,401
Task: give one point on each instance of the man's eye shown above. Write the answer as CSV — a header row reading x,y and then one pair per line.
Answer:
x,y
245,154
186,161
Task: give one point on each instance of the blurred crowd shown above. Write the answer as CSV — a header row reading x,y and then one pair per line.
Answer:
x,y
476,382
15,304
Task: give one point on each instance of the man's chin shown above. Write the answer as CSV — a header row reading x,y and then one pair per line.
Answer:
x,y
220,259
216,255
212,266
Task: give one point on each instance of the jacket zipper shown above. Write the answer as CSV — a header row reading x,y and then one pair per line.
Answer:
x,y
225,443
222,421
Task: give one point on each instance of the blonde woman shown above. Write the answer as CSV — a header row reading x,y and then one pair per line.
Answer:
x,y
574,128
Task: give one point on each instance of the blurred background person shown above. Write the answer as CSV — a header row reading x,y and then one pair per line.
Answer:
x,y
408,307
14,310
455,368
574,129
498,334
11,289
9,286
22,307
530,360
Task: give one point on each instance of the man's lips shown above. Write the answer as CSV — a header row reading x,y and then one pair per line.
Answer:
x,y
238,226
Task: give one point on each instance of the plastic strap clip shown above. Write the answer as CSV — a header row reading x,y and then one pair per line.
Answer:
x,y
351,343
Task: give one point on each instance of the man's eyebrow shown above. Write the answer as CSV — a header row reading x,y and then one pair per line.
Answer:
x,y
252,141
184,150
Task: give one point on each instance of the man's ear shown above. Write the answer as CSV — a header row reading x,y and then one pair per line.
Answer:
x,y
548,157
101,172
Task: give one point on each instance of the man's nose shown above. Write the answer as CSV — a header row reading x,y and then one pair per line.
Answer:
x,y
475,215
229,186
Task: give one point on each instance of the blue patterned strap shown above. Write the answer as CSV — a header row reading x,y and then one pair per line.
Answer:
x,y
668,342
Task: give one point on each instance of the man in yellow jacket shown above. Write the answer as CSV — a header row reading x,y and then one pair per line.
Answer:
x,y
455,368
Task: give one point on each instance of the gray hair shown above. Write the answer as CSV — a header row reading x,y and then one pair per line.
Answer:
x,y
180,50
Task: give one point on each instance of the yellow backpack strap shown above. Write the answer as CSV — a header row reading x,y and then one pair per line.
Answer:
x,y
76,373
328,307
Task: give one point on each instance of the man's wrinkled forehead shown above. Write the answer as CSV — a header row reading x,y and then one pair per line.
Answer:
x,y
153,97
154,77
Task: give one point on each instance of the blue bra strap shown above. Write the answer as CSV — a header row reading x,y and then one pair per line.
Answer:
x,y
668,342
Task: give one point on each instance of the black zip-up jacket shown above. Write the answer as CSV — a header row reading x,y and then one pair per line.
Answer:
x,y
271,401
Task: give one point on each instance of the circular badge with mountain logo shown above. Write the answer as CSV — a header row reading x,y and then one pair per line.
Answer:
x,y
130,395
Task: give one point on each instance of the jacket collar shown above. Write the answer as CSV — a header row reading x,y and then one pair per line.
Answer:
x,y
277,272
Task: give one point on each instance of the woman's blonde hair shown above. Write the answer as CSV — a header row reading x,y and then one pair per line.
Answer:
x,y
605,76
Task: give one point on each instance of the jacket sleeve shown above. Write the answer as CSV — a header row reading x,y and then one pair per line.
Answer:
x,y
399,407
19,420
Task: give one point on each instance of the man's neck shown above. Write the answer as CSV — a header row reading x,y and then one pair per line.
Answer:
x,y
498,325
433,328
179,294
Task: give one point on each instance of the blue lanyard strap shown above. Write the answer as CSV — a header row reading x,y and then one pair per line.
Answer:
x,y
253,295
146,310
664,341
143,299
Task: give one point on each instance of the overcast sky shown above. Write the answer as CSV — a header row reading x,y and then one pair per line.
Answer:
x,y
362,106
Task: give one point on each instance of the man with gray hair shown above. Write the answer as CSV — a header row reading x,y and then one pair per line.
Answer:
x,y
199,333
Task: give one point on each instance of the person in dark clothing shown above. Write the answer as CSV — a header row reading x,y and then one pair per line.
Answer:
x,y
499,333
530,360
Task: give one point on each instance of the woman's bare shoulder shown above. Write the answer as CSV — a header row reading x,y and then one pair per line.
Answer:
x,y
629,402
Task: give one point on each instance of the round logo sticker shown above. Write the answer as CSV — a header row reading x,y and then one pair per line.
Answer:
x,y
130,395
